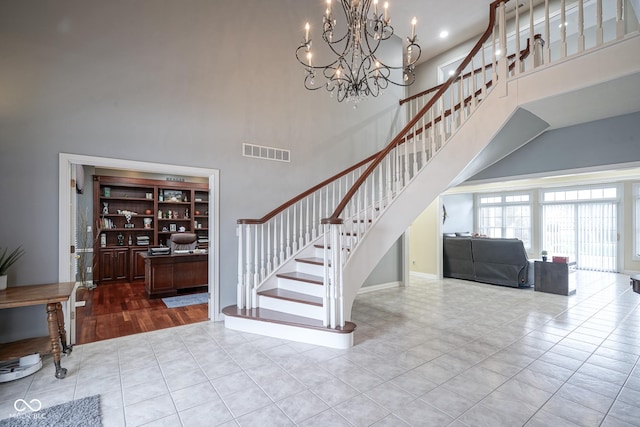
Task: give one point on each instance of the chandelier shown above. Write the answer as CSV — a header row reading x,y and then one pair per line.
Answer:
x,y
357,72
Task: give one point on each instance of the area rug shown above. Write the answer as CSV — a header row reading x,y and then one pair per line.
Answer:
x,y
184,300
83,412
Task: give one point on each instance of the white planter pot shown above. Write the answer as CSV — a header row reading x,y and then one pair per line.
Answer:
x,y
3,282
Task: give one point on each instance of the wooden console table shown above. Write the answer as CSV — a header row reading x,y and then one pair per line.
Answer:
x,y
164,275
53,295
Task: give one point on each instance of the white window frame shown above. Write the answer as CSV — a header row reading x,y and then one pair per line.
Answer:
x,y
635,208
578,199
503,204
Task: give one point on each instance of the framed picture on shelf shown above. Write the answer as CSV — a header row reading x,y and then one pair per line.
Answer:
x,y
172,196
172,227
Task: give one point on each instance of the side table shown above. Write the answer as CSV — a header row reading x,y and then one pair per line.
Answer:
x,y
554,278
635,283
52,295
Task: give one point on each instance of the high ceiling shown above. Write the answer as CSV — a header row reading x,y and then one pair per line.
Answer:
x,y
463,19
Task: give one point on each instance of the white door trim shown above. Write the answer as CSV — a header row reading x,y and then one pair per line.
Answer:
x,y
66,161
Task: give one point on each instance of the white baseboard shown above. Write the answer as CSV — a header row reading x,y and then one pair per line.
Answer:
x,y
423,275
381,286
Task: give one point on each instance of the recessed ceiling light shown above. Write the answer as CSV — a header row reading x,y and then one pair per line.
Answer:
x,y
444,34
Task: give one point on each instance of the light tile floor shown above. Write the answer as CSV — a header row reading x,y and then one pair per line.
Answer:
x,y
436,353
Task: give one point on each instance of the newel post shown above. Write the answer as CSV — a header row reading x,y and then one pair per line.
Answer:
x,y
240,287
333,293
248,291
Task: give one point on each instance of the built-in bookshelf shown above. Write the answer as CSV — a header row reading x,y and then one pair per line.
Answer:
x,y
131,214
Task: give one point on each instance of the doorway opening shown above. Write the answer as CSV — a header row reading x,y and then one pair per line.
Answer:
x,y
67,261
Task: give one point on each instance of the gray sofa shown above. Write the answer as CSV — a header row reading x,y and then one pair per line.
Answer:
x,y
495,261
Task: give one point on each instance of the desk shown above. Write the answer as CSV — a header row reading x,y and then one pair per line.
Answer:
x,y
554,278
165,274
53,295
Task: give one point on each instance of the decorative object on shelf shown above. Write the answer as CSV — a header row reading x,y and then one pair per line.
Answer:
x,y
105,208
147,222
172,227
544,255
186,214
148,212
107,192
173,195
120,239
357,72
159,214
7,261
130,241
103,240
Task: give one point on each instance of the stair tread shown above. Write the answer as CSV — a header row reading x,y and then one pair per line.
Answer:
x,y
271,316
311,260
292,296
303,277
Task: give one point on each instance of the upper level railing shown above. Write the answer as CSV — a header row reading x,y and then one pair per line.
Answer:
x,y
349,203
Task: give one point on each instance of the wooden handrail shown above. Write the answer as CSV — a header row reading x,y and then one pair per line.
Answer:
x,y
524,53
310,191
335,217
464,76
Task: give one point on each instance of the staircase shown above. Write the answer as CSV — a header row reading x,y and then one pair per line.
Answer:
x,y
301,266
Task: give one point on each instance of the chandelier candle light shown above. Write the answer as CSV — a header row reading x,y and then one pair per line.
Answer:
x,y
357,72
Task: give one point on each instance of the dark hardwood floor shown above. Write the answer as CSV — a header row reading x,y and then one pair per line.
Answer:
x,y
119,309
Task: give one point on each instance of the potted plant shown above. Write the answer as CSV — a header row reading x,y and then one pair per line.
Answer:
x,y
7,261
544,255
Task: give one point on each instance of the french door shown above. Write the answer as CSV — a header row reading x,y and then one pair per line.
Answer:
x,y
586,232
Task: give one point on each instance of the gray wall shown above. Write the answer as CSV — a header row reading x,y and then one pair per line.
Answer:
x,y
603,142
178,82
390,267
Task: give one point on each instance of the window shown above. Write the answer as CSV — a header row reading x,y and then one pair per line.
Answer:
x,y
505,215
636,220
582,224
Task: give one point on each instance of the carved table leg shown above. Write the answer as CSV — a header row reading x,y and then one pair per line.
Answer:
x,y
54,335
62,333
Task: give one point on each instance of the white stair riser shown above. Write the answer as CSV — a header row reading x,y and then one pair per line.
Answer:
x,y
289,332
301,287
314,269
291,307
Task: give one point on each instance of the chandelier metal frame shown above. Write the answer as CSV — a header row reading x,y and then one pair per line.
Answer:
x,y
357,72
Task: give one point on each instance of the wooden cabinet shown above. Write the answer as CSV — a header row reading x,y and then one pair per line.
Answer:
x,y
131,214
136,263
114,265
